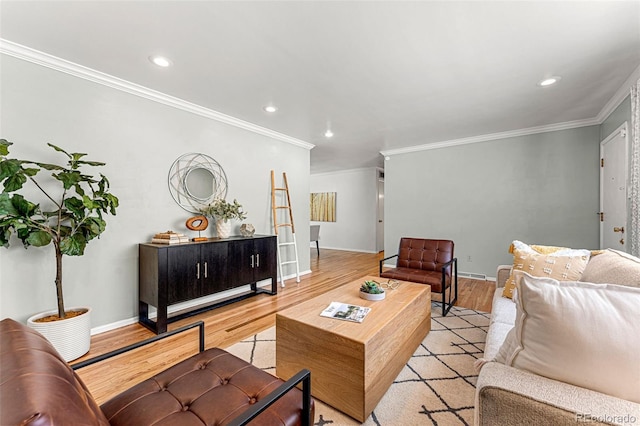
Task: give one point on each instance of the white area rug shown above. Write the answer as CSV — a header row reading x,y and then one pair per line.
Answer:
x,y
436,386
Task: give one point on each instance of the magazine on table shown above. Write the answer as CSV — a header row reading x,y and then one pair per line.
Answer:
x,y
346,312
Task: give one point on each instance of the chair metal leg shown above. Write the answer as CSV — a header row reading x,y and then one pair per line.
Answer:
x,y
454,283
318,248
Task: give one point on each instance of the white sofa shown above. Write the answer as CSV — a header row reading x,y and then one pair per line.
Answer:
x,y
509,396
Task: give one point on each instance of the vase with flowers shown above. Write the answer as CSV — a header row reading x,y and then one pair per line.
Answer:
x,y
223,211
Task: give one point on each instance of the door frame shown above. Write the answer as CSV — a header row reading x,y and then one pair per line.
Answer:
x,y
623,128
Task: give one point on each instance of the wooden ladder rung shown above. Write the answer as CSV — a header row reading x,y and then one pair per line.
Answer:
x,y
290,224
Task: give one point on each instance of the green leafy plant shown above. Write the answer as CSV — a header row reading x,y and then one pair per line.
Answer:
x,y
222,210
75,215
371,287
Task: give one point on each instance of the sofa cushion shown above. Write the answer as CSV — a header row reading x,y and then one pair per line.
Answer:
x,y
503,310
496,336
580,333
564,268
613,267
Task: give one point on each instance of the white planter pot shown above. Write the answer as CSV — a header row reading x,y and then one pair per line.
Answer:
x,y
71,337
223,228
369,296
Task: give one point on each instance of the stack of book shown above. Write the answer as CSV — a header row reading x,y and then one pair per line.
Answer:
x,y
169,237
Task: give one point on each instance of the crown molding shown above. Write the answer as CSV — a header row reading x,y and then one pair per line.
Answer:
x,y
49,61
494,136
619,96
357,170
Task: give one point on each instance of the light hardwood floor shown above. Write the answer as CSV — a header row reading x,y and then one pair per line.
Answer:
x,y
232,323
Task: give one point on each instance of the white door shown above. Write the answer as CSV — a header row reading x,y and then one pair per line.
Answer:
x,y
380,216
613,190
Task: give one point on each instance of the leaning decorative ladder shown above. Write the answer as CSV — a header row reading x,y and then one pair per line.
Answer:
x,y
287,221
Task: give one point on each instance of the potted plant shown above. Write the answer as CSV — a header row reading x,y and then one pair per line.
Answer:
x,y
371,290
67,217
223,211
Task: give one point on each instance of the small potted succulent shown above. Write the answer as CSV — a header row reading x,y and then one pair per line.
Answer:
x,y
371,290
223,211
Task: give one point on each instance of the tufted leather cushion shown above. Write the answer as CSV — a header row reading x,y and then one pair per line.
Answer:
x,y
210,388
421,260
37,387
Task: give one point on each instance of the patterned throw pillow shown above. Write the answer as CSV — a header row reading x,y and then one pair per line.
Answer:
x,y
561,268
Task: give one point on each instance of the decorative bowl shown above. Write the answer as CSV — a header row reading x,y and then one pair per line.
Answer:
x,y
372,296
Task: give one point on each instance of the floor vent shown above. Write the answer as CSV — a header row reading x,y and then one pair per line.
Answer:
x,y
472,275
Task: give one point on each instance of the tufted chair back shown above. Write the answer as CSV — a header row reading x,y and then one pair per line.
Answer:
x,y
426,255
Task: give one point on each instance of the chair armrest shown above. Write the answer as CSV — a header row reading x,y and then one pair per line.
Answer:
x,y
502,274
454,262
303,376
386,258
116,352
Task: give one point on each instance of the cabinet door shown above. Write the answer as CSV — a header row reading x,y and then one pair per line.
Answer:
x,y
241,263
214,274
183,282
265,264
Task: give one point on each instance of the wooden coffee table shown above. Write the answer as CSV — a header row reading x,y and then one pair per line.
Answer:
x,y
353,364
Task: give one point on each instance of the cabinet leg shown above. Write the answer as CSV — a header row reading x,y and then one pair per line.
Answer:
x,y
143,311
161,320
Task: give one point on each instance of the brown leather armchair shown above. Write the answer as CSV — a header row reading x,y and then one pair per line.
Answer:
x,y
427,262
37,387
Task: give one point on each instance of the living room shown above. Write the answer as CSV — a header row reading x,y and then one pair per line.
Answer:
x,y
538,185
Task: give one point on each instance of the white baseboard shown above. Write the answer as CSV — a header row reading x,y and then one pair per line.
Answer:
x,y
186,305
348,249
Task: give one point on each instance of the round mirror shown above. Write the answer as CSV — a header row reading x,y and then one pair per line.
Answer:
x,y
199,183
195,180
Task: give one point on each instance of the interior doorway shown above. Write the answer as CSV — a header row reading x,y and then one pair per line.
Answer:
x,y
380,214
613,189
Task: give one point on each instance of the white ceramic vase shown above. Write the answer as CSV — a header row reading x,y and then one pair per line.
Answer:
x,y
223,228
71,336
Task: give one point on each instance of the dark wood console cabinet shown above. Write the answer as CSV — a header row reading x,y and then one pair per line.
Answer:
x,y
170,274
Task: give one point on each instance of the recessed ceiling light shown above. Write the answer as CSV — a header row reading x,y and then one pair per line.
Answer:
x,y
328,133
270,108
160,61
549,81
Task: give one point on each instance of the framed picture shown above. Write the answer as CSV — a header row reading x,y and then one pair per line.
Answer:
x,y
323,206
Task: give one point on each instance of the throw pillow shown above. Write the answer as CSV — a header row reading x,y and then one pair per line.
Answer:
x,y
519,245
579,333
563,268
613,267
554,250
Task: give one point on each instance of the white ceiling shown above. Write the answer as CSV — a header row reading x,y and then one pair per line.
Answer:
x,y
384,75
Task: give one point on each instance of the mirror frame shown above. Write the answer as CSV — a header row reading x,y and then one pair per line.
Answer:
x,y
179,172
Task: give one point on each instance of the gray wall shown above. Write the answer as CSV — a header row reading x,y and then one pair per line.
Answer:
x,y
138,139
621,114
356,209
541,189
